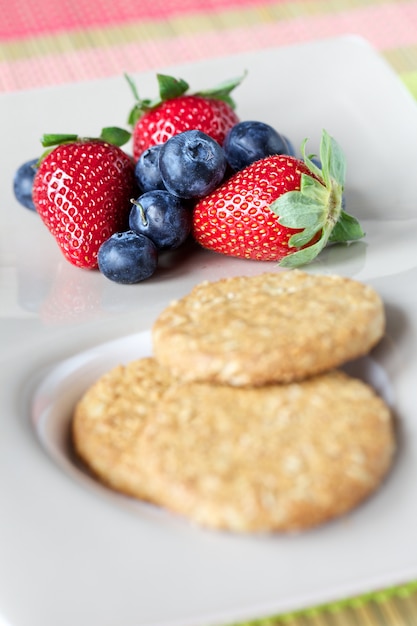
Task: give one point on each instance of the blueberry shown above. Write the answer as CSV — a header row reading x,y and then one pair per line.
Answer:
x,y
147,171
23,183
290,146
250,141
127,257
162,217
192,164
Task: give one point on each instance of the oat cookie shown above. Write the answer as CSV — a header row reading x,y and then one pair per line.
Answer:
x,y
275,458
276,327
109,419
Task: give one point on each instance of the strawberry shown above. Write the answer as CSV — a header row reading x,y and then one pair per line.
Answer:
x,y
175,111
279,208
82,192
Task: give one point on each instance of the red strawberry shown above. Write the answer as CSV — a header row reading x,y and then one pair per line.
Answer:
x,y
279,209
82,192
175,111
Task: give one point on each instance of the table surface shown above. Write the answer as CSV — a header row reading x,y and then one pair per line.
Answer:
x,y
51,43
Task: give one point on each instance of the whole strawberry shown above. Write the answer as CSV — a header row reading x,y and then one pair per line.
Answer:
x,y
82,192
279,208
175,111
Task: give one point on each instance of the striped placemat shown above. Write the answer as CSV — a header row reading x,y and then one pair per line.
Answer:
x,y
396,606
49,43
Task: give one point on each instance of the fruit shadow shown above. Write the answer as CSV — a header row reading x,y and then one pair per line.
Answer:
x,y
177,262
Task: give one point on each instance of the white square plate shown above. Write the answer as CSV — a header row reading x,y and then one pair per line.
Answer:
x,y
71,552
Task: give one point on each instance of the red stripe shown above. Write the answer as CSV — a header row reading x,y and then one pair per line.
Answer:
x,y
24,18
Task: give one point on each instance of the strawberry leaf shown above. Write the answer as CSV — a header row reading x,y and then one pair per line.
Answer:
x,y
111,134
333,163
305,255
114,135
325,157
170,87
140,106
347,228
133,87
295,210
49,140
302,239
223,91
135,113
332,160
314,169
313,189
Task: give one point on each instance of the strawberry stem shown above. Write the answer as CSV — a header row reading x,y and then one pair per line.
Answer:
x,y
141,211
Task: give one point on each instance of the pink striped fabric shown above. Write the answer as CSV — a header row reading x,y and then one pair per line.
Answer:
x,y
57,41
26,18
384,25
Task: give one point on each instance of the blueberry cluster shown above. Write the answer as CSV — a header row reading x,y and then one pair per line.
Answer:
x,y
187,167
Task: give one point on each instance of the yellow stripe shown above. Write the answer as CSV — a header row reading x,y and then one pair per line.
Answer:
x,y
393,607
410,81
402,59
365,615
318,619
392,613
345,617
408,606
173,27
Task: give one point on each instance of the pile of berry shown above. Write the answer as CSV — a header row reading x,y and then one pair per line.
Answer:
x,y
235,186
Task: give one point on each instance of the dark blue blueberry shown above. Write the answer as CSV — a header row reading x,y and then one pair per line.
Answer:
x,y
23,183
290,146
162,217
192,164
250,141
147,171
127,258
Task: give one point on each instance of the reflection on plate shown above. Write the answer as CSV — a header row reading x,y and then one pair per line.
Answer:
x,y
68,554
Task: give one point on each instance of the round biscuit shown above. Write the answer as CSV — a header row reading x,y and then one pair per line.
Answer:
x,y
109,419
274,458
275,327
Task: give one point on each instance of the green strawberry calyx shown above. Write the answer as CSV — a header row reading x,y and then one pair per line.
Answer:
x,y
223,91
317,208
170,87
110,134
